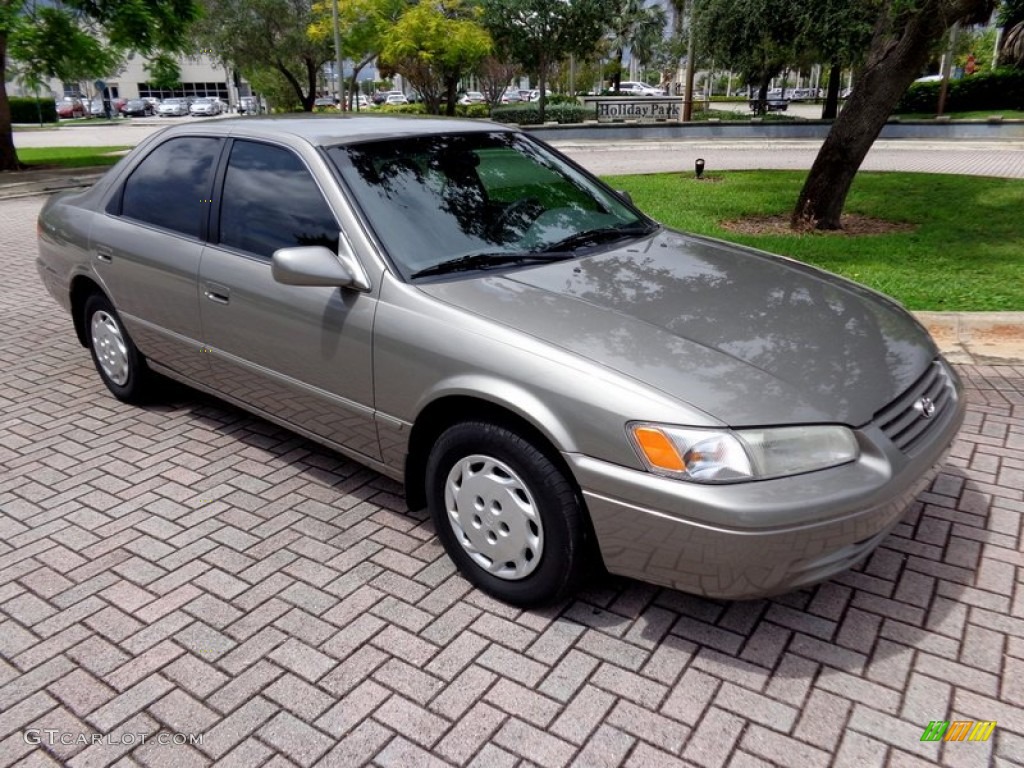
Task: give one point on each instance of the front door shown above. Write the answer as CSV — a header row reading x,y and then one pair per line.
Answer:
x,y
297,353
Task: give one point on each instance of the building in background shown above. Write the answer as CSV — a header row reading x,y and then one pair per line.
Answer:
x,y
201,75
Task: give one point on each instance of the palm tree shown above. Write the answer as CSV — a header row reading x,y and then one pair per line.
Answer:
x,y
637,27
1011,45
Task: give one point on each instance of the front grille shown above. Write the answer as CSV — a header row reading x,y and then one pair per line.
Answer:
x,y
903,420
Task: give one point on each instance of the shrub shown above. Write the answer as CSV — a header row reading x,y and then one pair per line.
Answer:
x,y
473,110
404,109
529,114
28,110
1001,89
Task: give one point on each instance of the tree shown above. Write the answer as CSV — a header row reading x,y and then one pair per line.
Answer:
x,y
364,25
267,38
638,27
904,34
839,34
1011,45
539,33
758,38
495,72
80,39
433,44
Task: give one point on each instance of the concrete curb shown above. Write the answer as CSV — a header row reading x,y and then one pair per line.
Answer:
x,y
977,338
45,182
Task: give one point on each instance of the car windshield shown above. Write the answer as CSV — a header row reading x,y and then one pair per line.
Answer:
x,y
479,200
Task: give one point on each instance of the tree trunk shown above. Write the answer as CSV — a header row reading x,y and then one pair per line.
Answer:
x,y
761,104
312,69
8,154
831,108
542,81
895,58
305,101
451,90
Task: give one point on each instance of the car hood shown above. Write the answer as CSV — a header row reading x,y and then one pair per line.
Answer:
x,y
747,337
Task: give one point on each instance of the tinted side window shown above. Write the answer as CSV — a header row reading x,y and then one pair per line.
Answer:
x,y
270,201
170,185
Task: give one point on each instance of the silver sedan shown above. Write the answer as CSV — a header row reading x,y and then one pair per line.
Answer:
x,y
561,380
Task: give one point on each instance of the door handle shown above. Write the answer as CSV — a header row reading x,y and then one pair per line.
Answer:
x,y
104,254
217,293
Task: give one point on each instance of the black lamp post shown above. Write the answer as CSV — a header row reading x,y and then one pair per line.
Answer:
x,y
698,167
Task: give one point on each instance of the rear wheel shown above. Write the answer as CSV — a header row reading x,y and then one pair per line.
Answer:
x,y
121,366
506,514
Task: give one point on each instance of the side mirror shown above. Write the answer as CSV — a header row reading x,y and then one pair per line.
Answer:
x,y
624,195
317,265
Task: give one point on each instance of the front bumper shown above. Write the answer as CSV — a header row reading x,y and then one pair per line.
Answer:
x,y
755,539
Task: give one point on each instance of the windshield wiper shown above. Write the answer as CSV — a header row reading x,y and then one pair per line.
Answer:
x,y
490,259
600,235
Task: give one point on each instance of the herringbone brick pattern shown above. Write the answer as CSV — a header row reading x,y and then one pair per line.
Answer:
x,y
188,569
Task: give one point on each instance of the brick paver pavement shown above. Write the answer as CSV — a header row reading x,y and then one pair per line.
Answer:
x,y
188,569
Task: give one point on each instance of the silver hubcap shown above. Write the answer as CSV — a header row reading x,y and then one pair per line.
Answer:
x,y
110,347
494,517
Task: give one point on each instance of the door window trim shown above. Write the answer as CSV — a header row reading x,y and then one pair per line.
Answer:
x,y
115,204
213,237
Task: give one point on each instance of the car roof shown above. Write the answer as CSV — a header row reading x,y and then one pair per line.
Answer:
x,y
329,130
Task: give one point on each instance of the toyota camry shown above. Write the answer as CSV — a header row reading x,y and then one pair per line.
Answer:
x,y
560,379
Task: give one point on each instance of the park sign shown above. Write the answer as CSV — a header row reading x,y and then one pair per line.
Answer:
x,y
609,109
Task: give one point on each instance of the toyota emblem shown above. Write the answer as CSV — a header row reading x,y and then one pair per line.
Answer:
x,y
925,407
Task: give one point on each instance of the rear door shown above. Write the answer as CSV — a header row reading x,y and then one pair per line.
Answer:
x,y
146,249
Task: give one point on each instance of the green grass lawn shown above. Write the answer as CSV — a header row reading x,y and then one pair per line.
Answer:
x,y
70,157
966,251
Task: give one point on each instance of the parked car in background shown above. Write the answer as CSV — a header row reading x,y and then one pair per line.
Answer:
x,y
639,89
98,109
173,107
247,105
206,106
511,96
473,97
396,99
137,108
70,107
773,103
561,380
324,101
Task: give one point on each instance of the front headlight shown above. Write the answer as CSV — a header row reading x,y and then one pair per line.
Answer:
x,y
731,456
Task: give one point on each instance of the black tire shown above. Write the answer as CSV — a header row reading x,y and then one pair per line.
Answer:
x,y
555,568
130,383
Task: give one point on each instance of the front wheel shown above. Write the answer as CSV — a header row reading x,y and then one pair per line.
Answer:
x,y
506,514
120,365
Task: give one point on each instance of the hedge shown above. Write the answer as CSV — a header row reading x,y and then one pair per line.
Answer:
x,y
418,108
529,114
1001,89
473,110
27,110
